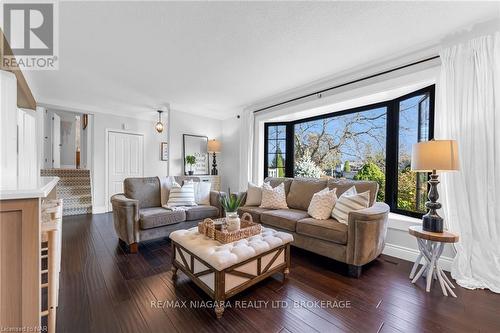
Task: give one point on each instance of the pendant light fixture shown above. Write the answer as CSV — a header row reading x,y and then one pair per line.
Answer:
x,y
159,124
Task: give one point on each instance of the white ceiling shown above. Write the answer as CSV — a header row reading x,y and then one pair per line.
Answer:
x,y
214,59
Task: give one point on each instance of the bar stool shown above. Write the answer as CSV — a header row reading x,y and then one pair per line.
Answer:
x,y
51,230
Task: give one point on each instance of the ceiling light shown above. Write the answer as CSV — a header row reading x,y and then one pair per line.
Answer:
x,y
159,124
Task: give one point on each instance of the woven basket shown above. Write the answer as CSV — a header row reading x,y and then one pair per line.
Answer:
x,y
248,228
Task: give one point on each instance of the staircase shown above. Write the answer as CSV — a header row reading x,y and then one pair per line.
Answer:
x,y
74,188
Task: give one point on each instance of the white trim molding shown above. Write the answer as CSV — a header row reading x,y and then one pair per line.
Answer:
x,y
99,210
410,254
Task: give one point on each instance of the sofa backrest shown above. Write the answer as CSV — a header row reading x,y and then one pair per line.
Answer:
x,y
180,179
302,191
299,191
343,185
144,189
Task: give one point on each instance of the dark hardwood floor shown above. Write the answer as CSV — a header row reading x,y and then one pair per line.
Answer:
x,y
103,289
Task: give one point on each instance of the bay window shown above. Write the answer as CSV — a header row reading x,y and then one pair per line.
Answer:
x,y
372,142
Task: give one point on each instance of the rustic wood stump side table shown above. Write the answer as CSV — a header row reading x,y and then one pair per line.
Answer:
x,y
431,246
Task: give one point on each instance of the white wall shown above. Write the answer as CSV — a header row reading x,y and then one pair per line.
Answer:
x,y
178,123
8,128
153,165
68,139
230,172
186,123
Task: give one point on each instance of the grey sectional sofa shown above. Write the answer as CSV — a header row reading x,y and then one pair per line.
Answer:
x,y
357,243
138,214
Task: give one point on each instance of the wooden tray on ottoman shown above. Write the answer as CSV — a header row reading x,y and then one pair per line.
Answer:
x,y
248,228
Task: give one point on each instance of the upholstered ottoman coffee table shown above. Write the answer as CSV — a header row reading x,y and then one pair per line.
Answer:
x,y
223,270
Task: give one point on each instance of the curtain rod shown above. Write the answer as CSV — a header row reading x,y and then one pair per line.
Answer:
x,y
346,84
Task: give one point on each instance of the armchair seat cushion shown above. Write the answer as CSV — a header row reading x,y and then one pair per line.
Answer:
x,y
283,218
255,211
201,212
157,217
329,230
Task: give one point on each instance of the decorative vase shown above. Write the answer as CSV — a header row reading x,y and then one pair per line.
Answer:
x,y
232,221
190,172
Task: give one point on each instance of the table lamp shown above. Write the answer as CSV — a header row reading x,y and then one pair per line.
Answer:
x,y
433,156
214,147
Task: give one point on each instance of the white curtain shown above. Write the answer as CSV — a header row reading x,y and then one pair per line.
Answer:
x,y
246,148
470,113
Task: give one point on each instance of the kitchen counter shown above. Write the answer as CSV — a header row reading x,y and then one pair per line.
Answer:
x,y
40,189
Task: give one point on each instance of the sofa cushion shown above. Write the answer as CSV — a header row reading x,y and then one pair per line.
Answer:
x,y
144,189
302,191
361,186
158,216
254,211
283,218
329,230
201,212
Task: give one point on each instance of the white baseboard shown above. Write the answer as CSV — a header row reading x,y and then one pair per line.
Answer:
x,y
410,254
99,210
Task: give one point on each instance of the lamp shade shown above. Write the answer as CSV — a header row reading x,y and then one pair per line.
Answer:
x,y
435,155
214,146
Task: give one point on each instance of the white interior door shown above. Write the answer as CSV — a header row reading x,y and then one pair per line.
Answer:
x,y
125,159
56,141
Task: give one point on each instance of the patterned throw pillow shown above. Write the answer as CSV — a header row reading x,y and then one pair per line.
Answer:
x,y
322,204
348,203
273,198
181,196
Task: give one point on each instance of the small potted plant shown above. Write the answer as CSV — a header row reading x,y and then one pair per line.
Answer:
x,y
190,160
230,203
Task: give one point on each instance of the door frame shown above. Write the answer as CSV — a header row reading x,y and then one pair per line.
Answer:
x,y
106,158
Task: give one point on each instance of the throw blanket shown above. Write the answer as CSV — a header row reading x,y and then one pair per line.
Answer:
x,y
177,208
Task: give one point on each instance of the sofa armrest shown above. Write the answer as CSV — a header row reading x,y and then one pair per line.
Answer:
x,y
366,232
126,218
244,193
214,201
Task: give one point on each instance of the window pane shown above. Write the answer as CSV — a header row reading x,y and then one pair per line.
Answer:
x,y
271,146
413,128
271,134
346,146
281,132
271,159
281,147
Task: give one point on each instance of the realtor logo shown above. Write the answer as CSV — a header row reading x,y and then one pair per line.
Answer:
x,y
31,31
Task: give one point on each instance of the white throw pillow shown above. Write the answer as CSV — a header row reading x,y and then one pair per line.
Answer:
x,y
181,196
322,204
254,195
273,198
201,191
349,203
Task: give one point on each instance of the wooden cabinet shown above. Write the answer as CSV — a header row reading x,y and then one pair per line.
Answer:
x,y
20,263
20,268
214,180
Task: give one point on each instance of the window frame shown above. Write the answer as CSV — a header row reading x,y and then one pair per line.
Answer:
x,y
288,147
392,141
